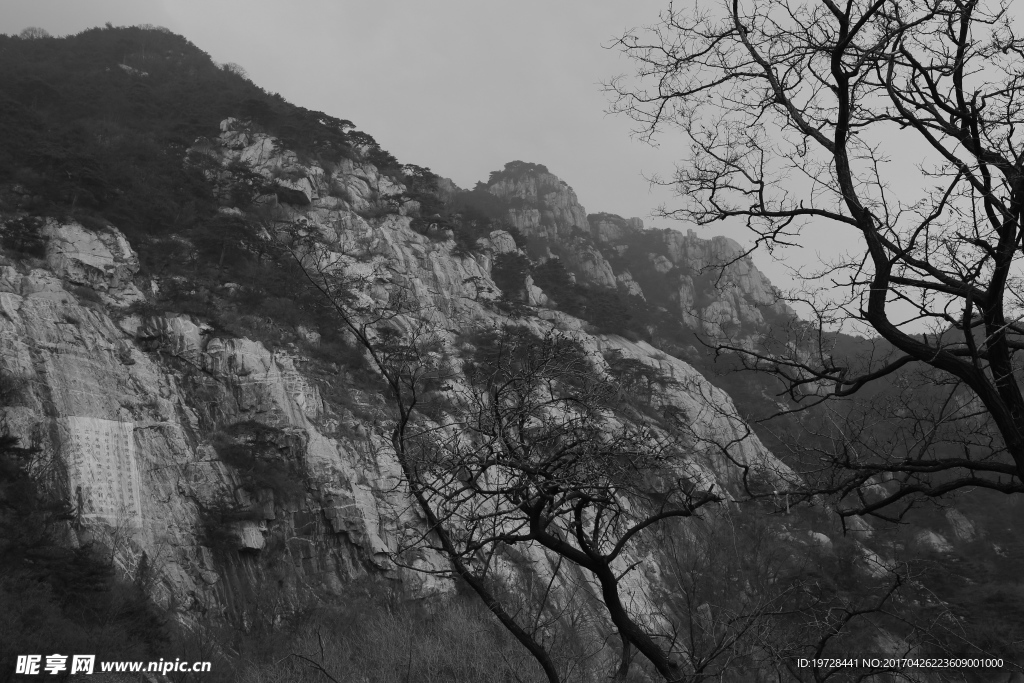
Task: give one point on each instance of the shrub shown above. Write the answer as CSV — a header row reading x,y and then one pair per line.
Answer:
x,y
516,169
259,455
509,272
374,635
635,378
379,207
473,215
466,236
86,294
13,389
349,356
520,239
23,236
606,309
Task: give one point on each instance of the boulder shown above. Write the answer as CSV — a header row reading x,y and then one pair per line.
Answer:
x,y
250,535
501,242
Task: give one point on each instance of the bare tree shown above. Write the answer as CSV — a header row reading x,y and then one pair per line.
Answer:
x,y
403,350
33,33
546,455
790,107
527,449
237,69
536,450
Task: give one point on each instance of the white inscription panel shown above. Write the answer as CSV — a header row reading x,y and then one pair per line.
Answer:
x,y
101,460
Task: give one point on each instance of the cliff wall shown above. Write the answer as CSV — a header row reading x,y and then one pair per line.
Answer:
x,y
711,285
138,407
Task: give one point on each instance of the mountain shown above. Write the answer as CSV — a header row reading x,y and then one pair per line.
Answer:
x,y
670,280
192,429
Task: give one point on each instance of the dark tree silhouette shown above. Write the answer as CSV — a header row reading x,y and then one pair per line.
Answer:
x,y
790,108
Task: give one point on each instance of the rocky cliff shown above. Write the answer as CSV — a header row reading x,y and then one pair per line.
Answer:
x,y
711,285
141,406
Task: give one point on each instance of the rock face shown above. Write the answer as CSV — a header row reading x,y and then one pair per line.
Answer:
x,y
169,385
543,205
609,228
709,283
155,398
740,297
102,260
546,209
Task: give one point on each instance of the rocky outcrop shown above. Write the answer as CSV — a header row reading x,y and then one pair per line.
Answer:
x,y
543,205
607,227
591,265
352,186
743,294
628,285
546,210
101,260
711,284
500,242
726,445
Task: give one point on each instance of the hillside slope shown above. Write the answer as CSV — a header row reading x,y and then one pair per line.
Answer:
x,y
208,421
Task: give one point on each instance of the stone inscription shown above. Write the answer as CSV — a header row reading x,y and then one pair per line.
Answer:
x,y
101,461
